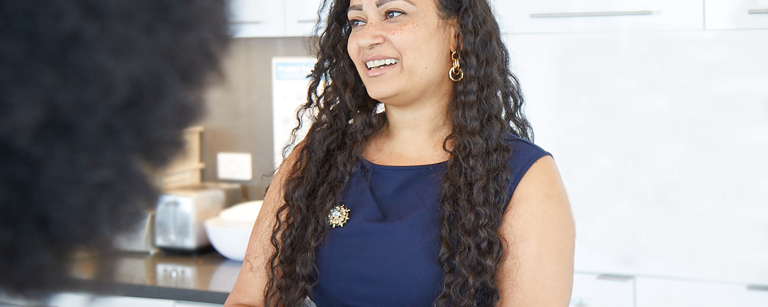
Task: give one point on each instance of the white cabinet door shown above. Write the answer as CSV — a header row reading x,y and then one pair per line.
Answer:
x,y
86,300
524,16
736,14
656,292
258,18
592,290
301,16
121,301
194,304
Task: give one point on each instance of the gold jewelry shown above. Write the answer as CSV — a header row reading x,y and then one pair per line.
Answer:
x,y
338,216
455,74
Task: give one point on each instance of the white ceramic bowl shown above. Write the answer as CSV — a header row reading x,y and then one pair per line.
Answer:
x,y
230,231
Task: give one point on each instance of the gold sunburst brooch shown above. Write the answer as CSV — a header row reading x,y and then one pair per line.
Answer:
x,y
338,216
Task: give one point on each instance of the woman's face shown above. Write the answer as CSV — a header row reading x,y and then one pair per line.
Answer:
x,y
401,49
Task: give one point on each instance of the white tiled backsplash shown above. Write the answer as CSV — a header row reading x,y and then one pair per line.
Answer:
x,y
662,140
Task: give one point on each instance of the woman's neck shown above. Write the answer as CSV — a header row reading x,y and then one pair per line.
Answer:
x,y
413,135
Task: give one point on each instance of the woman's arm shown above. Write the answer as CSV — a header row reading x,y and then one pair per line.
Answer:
x,y
539,234
250,284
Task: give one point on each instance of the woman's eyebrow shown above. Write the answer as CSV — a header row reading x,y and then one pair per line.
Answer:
x,y
359,7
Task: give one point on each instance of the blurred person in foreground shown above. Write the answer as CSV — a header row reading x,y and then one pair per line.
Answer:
x,y
92,93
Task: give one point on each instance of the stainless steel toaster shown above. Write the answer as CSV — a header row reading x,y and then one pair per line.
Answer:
x,y
181,212
141,238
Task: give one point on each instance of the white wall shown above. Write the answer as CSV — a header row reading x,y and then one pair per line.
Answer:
x,y
662,140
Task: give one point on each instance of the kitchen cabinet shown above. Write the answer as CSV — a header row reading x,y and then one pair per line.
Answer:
x,y
301,16
87,300
656,189
600,290
736,14
194,304
658,292
522,16
71,299
261,18
257,18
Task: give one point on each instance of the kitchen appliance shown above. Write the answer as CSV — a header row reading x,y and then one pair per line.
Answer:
x,y
141,238
181,211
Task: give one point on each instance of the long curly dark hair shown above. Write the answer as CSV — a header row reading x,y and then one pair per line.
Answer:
x,y
91,93
486,107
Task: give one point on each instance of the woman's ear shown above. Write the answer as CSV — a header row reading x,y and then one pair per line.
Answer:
x,y
455,34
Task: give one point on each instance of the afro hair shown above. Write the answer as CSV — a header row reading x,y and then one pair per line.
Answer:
x,y
92,93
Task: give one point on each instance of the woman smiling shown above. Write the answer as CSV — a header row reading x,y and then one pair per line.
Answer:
x,y
440,200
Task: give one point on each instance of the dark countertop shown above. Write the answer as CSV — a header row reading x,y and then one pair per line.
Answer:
x,y
205,277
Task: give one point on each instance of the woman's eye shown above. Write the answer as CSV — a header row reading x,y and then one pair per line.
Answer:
x,y
392,14
355,22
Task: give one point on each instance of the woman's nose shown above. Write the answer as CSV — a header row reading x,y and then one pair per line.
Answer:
x,y
371,35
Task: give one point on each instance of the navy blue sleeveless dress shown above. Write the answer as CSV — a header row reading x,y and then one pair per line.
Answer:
x,y
386,254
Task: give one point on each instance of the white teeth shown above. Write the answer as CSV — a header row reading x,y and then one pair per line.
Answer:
x,y
378,63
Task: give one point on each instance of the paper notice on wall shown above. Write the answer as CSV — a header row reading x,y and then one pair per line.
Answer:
x,y
289,92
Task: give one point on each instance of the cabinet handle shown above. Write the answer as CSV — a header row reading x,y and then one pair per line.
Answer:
x,y
615,277
307,20
758,11
239,22
591,14
757,288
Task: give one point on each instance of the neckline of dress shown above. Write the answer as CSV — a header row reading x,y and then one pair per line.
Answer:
x,y
402,167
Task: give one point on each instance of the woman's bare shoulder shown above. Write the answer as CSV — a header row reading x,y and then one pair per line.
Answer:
x,y
539,235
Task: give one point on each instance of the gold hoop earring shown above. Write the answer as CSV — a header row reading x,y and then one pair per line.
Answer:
x,y
455,73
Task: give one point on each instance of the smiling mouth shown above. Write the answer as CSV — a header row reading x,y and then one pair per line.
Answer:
x,y
377,64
